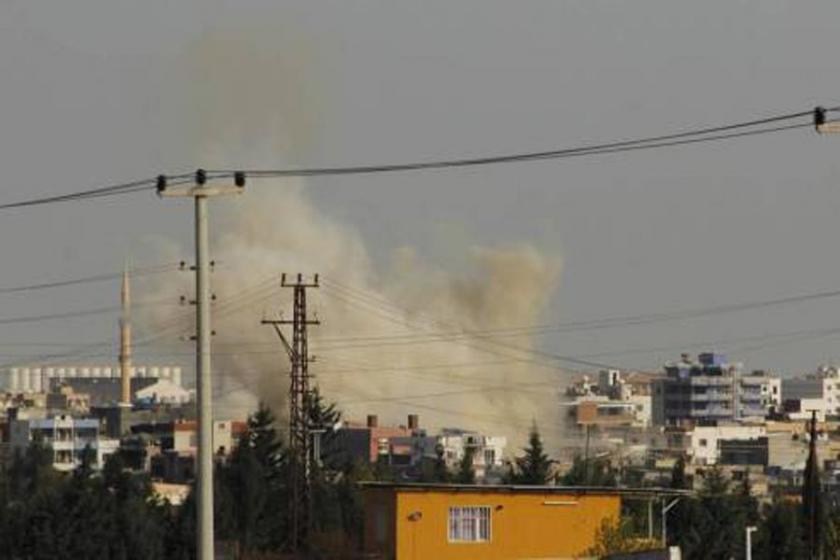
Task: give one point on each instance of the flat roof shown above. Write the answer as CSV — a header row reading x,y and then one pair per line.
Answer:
x,y
527,489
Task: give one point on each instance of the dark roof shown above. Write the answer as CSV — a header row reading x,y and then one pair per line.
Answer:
x,y
105,391
524,489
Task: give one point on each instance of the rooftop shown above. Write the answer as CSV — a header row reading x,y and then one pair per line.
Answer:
x,y
524,489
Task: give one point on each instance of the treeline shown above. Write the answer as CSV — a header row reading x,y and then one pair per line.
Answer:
x,y
713,523
114,514
50,515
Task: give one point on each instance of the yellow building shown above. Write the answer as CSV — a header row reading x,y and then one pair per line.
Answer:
x,y
459,522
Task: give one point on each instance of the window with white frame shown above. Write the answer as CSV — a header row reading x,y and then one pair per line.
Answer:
x,y
469,524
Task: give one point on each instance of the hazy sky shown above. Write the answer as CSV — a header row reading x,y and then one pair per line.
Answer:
x,y
100,92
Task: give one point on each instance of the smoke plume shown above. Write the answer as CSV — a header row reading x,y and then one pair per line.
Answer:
x,y
393,335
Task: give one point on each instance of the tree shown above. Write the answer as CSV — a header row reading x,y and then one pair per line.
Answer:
x,y
594,472
324,417
262,438
251,488
615,536
440,472
466,471
534,467
779,535
813,517
244,485
678,478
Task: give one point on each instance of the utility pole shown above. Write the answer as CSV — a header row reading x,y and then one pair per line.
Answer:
x,y
125,341
204,381
586,475
300,432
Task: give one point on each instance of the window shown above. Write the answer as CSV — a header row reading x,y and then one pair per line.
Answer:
x,y
703,443
489,457
469,524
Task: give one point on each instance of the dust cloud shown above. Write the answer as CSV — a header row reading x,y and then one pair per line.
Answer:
x,y
397,337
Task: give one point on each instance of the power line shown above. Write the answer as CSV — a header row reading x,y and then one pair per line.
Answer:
x,y
609,147
111,190
697,135
74,314
135,272
481,343
564,327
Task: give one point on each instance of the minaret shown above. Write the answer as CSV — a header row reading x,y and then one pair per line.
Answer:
x,y
125,342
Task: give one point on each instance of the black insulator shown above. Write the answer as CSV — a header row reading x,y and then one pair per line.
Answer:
x,y
239,179
819,117
200,177
161,183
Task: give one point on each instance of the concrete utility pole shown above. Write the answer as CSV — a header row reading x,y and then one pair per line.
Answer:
x,y
204,381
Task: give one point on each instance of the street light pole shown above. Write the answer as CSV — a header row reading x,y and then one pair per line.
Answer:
x,y
204,380
666,507
750,531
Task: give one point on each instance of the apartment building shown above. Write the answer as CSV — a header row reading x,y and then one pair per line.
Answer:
x,y
712,390
67,437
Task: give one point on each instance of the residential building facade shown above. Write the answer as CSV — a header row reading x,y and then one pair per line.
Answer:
x,y
67,437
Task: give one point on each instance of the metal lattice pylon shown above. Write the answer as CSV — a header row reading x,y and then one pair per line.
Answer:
x,y
300,437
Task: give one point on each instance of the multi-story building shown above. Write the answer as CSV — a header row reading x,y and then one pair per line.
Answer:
x,y
706,445
618,400
710,391
818,392
371,443
408,447
67,437
453,444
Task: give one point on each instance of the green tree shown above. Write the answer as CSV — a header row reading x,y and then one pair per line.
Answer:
x,y
534,466
466,470
244,489
615,536
324,417
594,472
261,437
779,534
813,517
440,472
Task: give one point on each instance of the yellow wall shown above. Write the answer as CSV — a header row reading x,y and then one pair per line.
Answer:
x,y
524,525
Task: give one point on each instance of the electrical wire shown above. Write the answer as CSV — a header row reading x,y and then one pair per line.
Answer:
x,y
571,326
698,135
135,272
662,141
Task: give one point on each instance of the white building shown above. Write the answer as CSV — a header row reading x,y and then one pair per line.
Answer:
x,y
702,444
40,379
618,399
487,451
67,437
164,392
818,392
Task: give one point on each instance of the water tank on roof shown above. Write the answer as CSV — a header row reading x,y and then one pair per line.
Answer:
x,y
712,359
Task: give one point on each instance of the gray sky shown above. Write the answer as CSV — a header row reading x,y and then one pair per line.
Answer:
x,y
97,92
